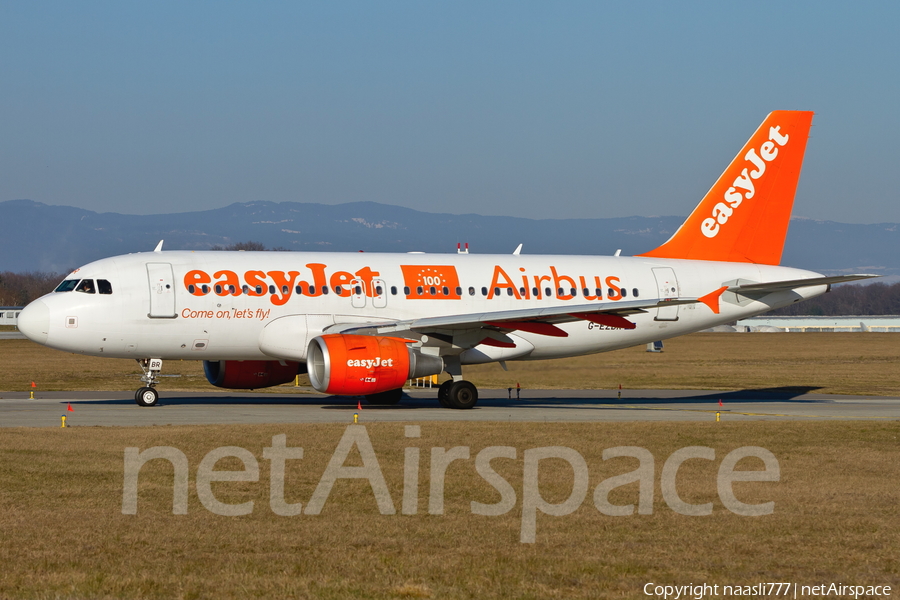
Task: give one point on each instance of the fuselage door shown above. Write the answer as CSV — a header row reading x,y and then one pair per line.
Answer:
x,y
162,291
667,287
358,293
379,293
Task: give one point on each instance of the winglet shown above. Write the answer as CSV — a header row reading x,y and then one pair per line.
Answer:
x,y
712,299
159,246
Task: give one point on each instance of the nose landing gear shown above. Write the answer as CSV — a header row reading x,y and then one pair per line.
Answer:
x,y
147,395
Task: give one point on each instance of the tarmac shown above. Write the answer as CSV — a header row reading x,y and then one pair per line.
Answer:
x,y
118,409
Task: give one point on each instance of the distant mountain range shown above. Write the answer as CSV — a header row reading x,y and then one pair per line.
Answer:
x,y
40,237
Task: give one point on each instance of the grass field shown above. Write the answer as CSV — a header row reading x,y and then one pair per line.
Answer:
x,y
842,363
64,535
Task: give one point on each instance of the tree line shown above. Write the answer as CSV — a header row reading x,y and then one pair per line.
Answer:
x,y
18,289
870,299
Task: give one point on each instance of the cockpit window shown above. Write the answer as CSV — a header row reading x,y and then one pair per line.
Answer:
x,y
104,286
86,286
66,286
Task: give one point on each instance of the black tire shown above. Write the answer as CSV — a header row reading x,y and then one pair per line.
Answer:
x,y
385,398
463,395
146,396
444,393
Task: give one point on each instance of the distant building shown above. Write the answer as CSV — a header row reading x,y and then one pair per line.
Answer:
x,y
809,324
9,315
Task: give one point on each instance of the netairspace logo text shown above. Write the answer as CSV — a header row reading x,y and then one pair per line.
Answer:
x,y
532,502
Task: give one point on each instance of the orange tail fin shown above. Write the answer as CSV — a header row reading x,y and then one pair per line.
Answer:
x,y
744,216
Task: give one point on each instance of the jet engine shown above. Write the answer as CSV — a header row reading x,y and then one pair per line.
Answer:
x,y
352,365
250,374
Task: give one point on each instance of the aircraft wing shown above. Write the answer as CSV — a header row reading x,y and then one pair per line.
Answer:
x,y
778,286
535,320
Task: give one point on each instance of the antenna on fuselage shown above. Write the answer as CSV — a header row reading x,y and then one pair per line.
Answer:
x,y
159,246
459,249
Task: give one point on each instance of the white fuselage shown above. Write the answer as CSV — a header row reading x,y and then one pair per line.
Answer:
x,y
160,308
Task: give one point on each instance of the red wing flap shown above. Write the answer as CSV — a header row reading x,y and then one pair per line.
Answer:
x,y
530,327
606,319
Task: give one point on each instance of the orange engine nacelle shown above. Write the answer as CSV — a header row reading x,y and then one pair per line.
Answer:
x,y
353,365
250,374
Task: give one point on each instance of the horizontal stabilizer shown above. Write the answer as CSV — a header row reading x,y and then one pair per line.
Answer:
x,y
778,286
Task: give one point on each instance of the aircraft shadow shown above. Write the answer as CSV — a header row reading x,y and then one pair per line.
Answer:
x,y
631,398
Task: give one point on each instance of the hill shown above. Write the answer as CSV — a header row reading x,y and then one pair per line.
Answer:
x,y
40,237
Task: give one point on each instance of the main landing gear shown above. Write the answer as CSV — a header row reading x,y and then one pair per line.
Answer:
x,y
147,395
457,394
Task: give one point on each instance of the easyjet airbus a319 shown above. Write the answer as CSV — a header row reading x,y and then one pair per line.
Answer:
x,y
362,324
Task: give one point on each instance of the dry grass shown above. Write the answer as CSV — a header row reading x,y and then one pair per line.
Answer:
x,y
63,534
841,363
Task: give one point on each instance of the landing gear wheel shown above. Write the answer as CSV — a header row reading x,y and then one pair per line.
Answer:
x,y
462,395
385,398
444,393
146,396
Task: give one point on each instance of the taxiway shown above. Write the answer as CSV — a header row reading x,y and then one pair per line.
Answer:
x,y
183,408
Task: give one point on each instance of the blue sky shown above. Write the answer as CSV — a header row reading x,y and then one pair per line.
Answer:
x,y
542,110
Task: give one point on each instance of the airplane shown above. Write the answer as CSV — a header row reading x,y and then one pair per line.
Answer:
x,y
362,324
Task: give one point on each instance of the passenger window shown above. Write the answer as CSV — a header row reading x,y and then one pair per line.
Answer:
x,y
191,289
259,290
324,290
272,289
86,286
245,288
547,292
406,290
378,290
299,290
484,291
496,291
634,292
432,291
446,290
471,291
459,291
420,290
104,286
624,292
393,290
284,289
338,290
509,291
534,292
574,292
312,290
357,290
231,289
218,289
599,292
560,291
586,292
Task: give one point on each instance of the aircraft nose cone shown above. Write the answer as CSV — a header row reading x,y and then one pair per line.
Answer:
x,y
34,321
